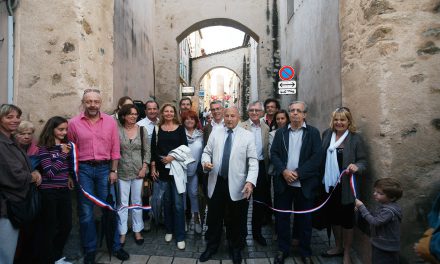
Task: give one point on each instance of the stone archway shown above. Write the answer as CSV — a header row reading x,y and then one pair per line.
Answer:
x,y
234,92
218,22
180,20
232,59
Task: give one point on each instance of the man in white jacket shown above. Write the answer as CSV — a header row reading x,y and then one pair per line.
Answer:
x,y
231,159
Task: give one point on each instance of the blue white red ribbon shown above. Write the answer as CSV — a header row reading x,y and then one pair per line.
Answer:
x,y
344,172
90,196
353,185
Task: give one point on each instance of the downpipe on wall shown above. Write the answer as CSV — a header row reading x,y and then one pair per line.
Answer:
x,y
11,5
10,59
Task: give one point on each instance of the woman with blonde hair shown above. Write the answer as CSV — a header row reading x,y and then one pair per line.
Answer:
x,y
343,148
15,178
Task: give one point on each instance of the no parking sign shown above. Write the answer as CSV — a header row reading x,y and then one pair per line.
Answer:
x,y
287,86
286,73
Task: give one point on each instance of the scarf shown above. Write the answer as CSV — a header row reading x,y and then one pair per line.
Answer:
x,y
331,163
197,133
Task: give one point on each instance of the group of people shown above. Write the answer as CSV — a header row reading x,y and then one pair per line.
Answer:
x,y
226,161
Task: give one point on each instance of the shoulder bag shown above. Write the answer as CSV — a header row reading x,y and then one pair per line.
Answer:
x,y
23,212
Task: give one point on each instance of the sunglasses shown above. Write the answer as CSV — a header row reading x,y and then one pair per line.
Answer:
x,y
342,109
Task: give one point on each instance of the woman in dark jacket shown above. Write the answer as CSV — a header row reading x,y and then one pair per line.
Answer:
x,y
170,135
15,177
343,148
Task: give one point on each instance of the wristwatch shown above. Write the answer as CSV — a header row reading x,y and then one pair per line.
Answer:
x,y
115,171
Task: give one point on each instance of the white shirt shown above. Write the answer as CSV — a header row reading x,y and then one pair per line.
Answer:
x,y
216,125
149,125
295,143
256,130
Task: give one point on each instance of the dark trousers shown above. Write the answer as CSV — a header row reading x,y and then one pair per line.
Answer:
x,y
55,223
303,222
261,193
379,256
233,213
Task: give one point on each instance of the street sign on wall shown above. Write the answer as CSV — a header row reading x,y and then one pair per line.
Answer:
x,y
287,91
201,93
286,73
188,91
287,84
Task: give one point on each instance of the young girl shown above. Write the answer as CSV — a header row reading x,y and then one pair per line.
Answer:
x,y
56,212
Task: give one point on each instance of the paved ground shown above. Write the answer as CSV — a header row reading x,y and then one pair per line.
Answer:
x,y
156,251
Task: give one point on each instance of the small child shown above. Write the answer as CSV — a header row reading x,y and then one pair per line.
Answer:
x,y
384,221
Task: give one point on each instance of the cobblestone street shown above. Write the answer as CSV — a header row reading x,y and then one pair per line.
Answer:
x,y
156,251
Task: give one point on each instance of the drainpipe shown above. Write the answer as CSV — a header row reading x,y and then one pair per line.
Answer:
x,y
10,59
11,5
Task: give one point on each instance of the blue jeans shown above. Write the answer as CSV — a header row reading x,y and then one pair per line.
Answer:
x,y
174,214
9,236
94,180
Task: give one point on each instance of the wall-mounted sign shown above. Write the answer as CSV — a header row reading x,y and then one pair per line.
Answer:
x,y
287,84
188,91
286,73
201,93
287,91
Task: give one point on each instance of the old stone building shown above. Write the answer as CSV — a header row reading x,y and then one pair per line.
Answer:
x,y
380,58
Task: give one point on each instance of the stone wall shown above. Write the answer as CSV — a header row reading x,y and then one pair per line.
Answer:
x,y
390,79
309,42
133,68
175,20
62,48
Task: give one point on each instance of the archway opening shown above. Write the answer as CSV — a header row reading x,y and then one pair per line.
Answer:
x,y
218,44
222,84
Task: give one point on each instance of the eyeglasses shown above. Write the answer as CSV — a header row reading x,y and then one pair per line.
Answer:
x,y
254,110
296,110
92,90
342,108
216,109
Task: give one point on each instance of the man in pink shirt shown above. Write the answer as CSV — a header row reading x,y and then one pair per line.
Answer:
x,y
96,137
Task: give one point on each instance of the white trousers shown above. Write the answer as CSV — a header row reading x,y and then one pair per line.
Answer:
x,y
135,187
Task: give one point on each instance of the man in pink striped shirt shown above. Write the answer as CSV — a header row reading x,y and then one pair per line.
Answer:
x,y
96,137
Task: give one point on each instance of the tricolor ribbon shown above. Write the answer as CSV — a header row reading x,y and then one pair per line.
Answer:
x,y
344,172
90,196
353,185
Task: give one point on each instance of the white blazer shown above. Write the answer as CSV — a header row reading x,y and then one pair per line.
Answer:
x,y
243,162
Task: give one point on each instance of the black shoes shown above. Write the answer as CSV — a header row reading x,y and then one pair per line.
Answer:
x,y
279,258
139,241
307,260
89,258
327,255
207,254
260,240
121,254
235,255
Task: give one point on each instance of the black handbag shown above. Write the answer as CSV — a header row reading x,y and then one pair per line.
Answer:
x,y
23,212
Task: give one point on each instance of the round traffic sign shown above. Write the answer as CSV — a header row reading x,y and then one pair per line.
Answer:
x,y
286,73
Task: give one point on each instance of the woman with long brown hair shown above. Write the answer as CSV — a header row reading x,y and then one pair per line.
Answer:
x,y
170,135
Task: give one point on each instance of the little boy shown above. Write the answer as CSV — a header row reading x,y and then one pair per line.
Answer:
x,y
384,221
